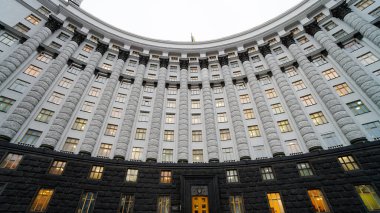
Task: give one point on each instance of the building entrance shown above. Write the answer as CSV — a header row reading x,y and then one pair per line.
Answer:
x,y
199,204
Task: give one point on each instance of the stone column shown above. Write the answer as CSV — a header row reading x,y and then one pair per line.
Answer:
x,y
303,123
367,29
183,127
60,122
209,113
262,107
233,104
24,109
369,85
345,122
131,111
99,117
14,60
155,127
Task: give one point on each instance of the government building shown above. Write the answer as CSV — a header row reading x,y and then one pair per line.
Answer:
x,y
281,118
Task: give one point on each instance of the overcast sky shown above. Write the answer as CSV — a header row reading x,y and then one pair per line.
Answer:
x,y
176,19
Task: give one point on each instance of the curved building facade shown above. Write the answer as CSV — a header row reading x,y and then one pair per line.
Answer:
x,y
284,117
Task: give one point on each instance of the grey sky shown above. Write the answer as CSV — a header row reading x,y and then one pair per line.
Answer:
x,y
176,19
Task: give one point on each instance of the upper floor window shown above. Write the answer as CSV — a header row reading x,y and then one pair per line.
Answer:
x,y
136,153
6,103
21,28
166,176
33,70
228,154
96,172
195,104
330,25
291,71
70,145
171,103
318,200
267,173
44,115
244,99
167,155
277,109
302,40
375,13
7,39
278,50
57,167
330,74
304,169
299,85
225,134
63,37
343,89
363,4
369,197
44,10
116,112
253,131
284,126
19,86
308,100
348,163
87,48
236,204
140,134
196,135
44,57
94,91
87,202
222,117
358,107
11,161
232,176
352,45
132,175
248,114
318,118
319,60
79,124
271,93
339,34
367,59
33,19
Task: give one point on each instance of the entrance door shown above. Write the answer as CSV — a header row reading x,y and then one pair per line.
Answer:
x,y
199,204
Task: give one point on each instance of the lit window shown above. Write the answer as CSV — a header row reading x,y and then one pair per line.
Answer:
x,y
79,124
19,86
225,134
163,204
248,114
275,202
171,103
295,31
304,169
33,19
169,135
140,134
363,4
348,163
232,176
132,175
70,145
196,135
87,106
330,74
219,102
222,117
57,167
291,71
318,118
330,25
267,173
271,93
195,104
166,176
94,92
308,100
65,83
127,203
33,71
104,150
194,78
277,109
121,98
136,153
299,85
11,161
373,129
244,99
170,118
44,57
111,130
116,112
63,37
253,131
318,201
228,154
369,197
352,45
21,28
319,60
96,172
167,155
196,119
292,146
87,202
5,103
7,39
284,126
358,107
343,89
367,59
319,17
302,40
197,155
236,204
44,115
41,201
87,48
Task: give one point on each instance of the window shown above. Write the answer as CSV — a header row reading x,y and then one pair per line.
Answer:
x,y
126,204
298,85
169,135
284,126
102,79
265,80
232,176
222,117
7,39
241,86
343,89
44,10
44,116
244,99
318,200
308,100
63,37
267,173
348,163
96,172
79,124
369,197
44,57
163,204
55,45
65,83
195,104
278,50
331,140
309,48
136,153
225,134
167,155
197,155
5,103
228,154
253,131
255,59
172,91
302,40
330,74
319,60
87,106
33,71
11,161
363,4
290,72
132,175
193,69
196,135
330,25
194,78
132,63
283,59
170,118
87,202
70,145
318,118
292,146
111,57
57,167
140,134
19,86
116,112
304,169
166,176
373,129
71,27
367,59
248,114
217,90
121,98
104,150
106,66
277,108
236,204
41,201
375,13
87,48
143,116
21,28
111,130
153,67
171,103
234,64
74,69
215,77
173,78
94,92
357,107
275,203
339,34
31,137
195,91
196,119
352,45
33,19
271,93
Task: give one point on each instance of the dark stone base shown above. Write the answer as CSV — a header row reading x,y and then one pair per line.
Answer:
x,y
359,140
245,158
151,160
46,146
278,154
5,139
315,149
182,161
213,160
84,153
118,157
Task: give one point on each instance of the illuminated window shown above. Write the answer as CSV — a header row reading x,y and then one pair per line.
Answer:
x,y
44,57
127,203
348,163
265,80
284,126
291,71
121,98
232,176
193,69
79,124
318,118
244,99
271,93
195,104
369,197
87,202
299,85
217,90
363,4
195,91
33,71
140,134
105,150
358,107
87,106
225,134
65,83
219,102
170,118
304,169
94,92
318,200
70,145
169,135
222,117
96,172
163,204
172,90
196,119
167,155
196,135
308,100
267,173
248,114
11,161
41,201
87,48
116,112
111,130
236,204
197,155
275,203
277,109
7,39
44,115
149,89
136,153
166,176
57,167
253,131
330,74
171,103
132,175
